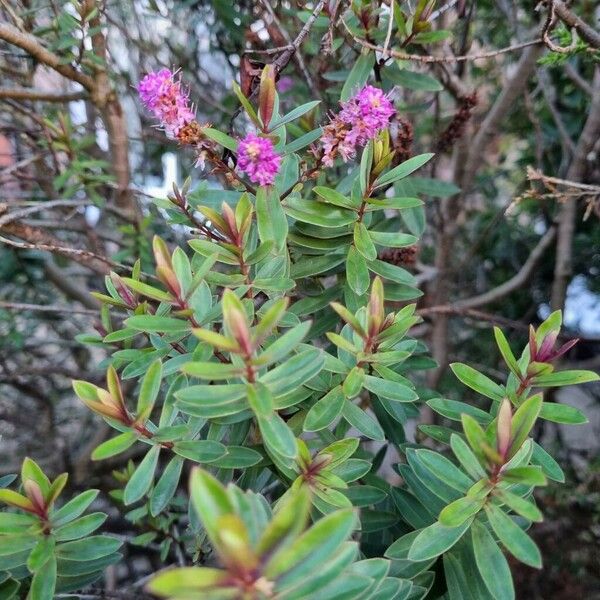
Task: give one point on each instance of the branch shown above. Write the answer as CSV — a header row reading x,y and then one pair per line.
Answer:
x,y
32,46
504,103
571,20
563,266
470,313
518,280
68,287
31,94
285,58
292,50
37,239
425,58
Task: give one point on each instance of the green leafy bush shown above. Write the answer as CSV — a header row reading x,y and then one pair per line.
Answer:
x,y
275,352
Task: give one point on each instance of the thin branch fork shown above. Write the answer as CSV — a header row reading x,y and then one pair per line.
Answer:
x,y
535,175
570,19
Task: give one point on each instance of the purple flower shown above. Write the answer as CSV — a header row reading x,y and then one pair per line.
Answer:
x,y
258,159
163,95
360,120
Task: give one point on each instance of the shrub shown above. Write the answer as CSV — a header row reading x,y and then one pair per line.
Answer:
x,y
275,354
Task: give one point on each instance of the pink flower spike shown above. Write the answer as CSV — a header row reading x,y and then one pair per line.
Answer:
x,y
162,94
258,159
360,120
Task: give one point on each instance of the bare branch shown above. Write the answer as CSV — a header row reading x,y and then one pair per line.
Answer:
x,y
31,44
31,94
515,282
425,58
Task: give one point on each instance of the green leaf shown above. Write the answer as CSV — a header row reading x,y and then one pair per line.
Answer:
x,y
212,370
210,501
357,272
246,104
270,217
44,581
277,436
283,345
523,421
221,138
444,469
525,475
312,548
453,410
353,383
478,381
363,242
80,528
522,507
358,75
412,80
548,464
295,371
287,523
364,422
91,548
303,141
147,290
166,486
392,240
294,114
141,480
189,582
390,389
238,457
475,436
333,197
507,354
562,413
316,265
404,169
459,511
318,213
200,451
435,540
491,564
72,509
260,399
149,390
565,378
325,411
15,522
156,323
465,456
364,171
516,541
41,553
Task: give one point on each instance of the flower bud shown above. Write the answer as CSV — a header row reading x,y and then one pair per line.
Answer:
x,y
504,427
266,97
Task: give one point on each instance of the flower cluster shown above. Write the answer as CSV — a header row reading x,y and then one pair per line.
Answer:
x,y
360,120
258,159
163,95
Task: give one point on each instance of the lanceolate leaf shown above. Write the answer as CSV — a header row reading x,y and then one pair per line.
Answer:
x,y
491,563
